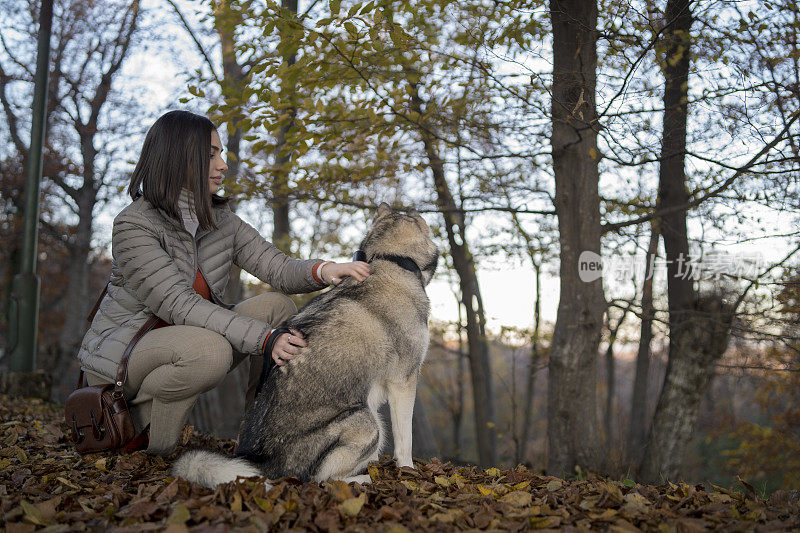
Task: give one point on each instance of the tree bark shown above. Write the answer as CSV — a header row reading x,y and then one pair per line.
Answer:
x,y
532,369
608,412
281,228
572,403
233,81
699,325
637,429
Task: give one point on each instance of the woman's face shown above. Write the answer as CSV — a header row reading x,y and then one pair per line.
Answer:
x,y
217,166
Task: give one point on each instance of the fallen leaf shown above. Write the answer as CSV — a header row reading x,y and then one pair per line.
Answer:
x,y
441,480
518,498
180,515
236,504
554,485
486,490
352,506
186,434
374,473
32,513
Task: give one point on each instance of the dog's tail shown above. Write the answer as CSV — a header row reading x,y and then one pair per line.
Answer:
x,y
209,469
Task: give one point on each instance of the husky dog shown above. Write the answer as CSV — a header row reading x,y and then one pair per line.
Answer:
x,y
316,417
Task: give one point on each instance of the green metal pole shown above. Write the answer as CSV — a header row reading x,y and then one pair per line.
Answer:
x,y
25,287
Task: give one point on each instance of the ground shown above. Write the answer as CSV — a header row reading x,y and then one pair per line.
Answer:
x,y
45,485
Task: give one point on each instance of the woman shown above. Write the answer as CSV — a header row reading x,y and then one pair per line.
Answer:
x,y
172,250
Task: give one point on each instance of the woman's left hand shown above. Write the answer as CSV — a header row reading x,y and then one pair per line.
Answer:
x,y
334,272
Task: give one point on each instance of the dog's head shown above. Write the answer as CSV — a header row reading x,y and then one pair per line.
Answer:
x,y
402,234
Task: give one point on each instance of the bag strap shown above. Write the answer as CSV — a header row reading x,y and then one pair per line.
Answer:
x,y
122,369
97,304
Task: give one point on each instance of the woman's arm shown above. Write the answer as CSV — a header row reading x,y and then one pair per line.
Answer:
x,y
152,276
262,259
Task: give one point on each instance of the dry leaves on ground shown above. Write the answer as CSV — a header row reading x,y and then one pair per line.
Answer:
x,y
45,485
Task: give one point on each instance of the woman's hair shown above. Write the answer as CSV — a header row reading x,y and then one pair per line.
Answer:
x,y
175,155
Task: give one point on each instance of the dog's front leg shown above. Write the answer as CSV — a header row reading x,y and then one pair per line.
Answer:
x,y
401,397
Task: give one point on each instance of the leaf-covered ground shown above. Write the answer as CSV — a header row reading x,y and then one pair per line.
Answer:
x,y
45,485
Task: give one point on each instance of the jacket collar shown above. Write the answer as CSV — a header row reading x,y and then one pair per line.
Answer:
x,y
217,212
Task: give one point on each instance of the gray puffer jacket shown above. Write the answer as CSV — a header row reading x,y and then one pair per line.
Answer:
x,y
155,260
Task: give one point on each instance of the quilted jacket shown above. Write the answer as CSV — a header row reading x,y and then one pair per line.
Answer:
x,y
155,260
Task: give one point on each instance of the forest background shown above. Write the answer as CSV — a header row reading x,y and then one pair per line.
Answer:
x,y
534,137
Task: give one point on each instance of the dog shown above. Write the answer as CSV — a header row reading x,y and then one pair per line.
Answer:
x,y
316,418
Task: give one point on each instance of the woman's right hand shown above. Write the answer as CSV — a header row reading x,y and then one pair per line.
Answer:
x,y
287,347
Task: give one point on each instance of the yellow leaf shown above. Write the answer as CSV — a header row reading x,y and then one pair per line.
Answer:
x,y
263,504
608,514
67,483
518,498
352,506
100,464
521,486
486,490
236,504
441,480
458,479
410,485
374,473
397,528
493,471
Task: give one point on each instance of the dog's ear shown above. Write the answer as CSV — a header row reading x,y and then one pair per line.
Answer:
x,y
383,210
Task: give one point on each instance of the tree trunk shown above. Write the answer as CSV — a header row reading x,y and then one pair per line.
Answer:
x,y
699,325
572,402
534,362
77,298
234,77
637,429
480,369
608,412
281,228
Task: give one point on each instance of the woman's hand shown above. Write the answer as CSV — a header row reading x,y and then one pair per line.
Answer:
x,y
334,272
287,347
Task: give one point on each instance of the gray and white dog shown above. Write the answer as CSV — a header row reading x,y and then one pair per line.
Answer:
x,y
316,417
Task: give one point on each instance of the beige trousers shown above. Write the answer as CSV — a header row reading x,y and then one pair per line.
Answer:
x,y
171,366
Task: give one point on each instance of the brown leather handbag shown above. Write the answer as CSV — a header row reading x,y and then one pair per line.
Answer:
x,y
98,415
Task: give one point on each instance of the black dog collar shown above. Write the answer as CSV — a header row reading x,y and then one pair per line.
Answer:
x,y
400,260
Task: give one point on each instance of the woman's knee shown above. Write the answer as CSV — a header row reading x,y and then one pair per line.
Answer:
x,y
270,307
205,359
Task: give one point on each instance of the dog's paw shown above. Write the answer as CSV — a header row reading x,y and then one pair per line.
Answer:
x,y
401,464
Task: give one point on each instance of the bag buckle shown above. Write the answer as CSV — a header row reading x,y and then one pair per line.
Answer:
x,y
77,435
98,429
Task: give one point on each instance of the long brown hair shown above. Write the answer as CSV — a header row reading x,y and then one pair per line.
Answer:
x,y
175,155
